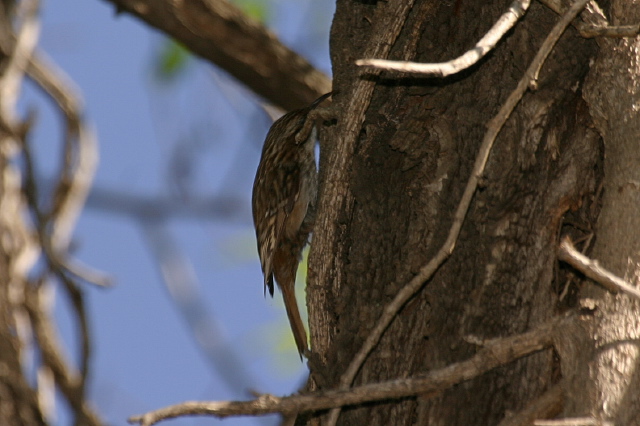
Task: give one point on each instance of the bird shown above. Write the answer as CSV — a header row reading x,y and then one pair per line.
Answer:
x,y
284,206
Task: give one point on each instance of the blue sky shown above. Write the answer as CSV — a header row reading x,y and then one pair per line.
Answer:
x,y
211,129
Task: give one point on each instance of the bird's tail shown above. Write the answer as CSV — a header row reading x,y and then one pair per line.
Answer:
x,y
285,265
295,320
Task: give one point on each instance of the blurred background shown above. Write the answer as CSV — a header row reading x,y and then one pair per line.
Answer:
x,y
168,218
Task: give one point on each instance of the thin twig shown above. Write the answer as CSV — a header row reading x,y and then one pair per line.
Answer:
x,y
587,244
493,128
71,288
495,353
596,24
67,378
619,31
55,84
77,302
592,269
508,19
592,15
25,41
573,421
76,176
76,172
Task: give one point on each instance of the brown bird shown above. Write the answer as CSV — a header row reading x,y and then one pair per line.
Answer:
x,y
284,206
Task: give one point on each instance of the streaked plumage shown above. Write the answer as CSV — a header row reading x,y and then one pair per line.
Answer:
x,y
283,204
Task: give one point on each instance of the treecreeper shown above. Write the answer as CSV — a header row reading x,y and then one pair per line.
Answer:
x,y
284,205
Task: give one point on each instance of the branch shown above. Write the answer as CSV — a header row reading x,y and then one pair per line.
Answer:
x,y
592,15
19,48
68,379
471,57
76,171
493,128
592,269
54,227
619,31
595,24
220,33
494,353
573,421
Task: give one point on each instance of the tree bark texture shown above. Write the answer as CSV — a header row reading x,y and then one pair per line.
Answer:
x,y
386,203
607,382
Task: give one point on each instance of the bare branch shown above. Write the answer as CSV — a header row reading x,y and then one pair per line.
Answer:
x,y
77,302
493,128
516,11
19,52
55,83
495,353
595,24
54,227
76,176
19,48
220,33
591,31
592,269
591,15
573,421
58,262
68,379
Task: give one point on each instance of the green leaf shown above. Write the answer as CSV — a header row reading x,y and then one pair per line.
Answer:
x,y
171,61
256,9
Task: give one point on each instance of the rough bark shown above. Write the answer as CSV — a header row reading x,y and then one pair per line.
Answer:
x,y
387,201
607,381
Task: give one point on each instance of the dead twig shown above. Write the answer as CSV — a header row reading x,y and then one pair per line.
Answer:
x,y
573,421
508,19
619,31
595,25
592,269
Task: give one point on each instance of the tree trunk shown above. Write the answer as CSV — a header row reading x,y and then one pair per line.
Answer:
x,y
607,382
392,176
